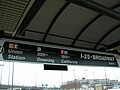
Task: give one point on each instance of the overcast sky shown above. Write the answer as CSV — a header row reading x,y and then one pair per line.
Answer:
x,y
34,74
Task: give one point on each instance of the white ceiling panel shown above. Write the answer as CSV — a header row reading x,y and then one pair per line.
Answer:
x,y
100,46
84,44
58,40
32,35
98,28
113,37
45,15
117,9
72,20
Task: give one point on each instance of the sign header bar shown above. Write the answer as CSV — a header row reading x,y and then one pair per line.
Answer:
x,y
41,54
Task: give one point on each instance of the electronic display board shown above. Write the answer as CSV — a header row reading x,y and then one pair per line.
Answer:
x,y
41,54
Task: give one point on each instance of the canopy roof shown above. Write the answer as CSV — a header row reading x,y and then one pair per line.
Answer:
x,y
88,24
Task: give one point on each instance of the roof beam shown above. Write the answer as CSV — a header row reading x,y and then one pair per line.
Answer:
x,y
86,26
106,34
97,7
111,46
89,23
38,32
28,18
54,20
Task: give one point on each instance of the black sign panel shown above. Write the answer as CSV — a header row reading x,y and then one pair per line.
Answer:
x,y
41,54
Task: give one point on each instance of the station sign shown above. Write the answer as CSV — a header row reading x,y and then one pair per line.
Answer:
x,y
41,54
